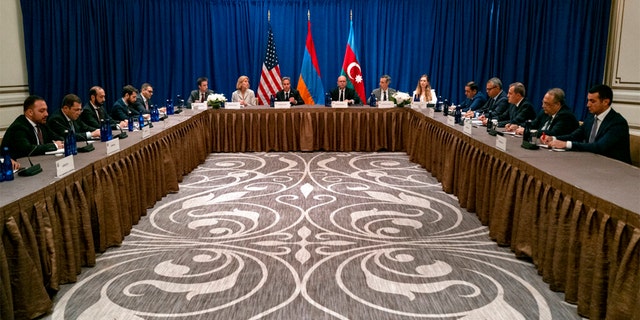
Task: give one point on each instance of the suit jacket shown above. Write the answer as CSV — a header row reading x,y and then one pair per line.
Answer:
x,y
612,139
140,105
249,97
194,96
496,108
563,123
91,119
378,94
349,94
21,139
120,110
293,93
58,123
475,103
519,114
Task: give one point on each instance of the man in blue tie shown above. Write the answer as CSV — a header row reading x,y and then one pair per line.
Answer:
x,y
605,133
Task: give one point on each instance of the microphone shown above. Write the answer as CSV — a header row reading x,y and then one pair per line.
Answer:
x,y
122,134
33,169
88,147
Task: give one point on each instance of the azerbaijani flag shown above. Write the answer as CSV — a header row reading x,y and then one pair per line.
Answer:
x,y
351,67
310,83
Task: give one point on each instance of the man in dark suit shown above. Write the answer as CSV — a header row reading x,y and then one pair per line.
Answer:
x,y
144,98
475,98
556,118
93,112
201,94
127,104
67,119
29,134
606,133
383,93
497,104
520,108
344,93
289,94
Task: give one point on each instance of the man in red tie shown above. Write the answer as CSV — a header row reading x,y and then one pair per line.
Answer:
x,y
201,94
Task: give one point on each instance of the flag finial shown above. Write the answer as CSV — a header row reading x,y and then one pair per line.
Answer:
x,y
268,15
350,15
308,15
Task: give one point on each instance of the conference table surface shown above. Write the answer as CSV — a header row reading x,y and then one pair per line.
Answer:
x,y
617,182
575,214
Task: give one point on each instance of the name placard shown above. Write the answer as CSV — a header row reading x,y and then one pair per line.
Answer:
x,y
451,121
339,104
386,104
113,146
467,127
232,105
282,105
501,143
199,106
146,132
418,105
431,112
64,166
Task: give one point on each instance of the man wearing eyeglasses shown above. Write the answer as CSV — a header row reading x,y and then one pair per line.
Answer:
x,y
497,105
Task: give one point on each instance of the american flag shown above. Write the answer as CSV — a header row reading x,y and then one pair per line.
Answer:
x,y
270,82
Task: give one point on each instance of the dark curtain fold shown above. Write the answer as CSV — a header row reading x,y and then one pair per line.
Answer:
x,y
72,45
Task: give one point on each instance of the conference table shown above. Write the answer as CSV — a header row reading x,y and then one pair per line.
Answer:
x,y
575,215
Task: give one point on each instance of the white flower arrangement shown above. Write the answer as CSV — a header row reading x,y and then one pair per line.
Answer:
x,y
401,99
216,100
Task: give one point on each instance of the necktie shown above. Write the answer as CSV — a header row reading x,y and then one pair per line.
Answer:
x,y
146,104
39,134
384,98
98,113
202,97
341,95
71,128
594,130
286,96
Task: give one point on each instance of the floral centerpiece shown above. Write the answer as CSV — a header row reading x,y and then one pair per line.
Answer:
x,y
216,100
401,99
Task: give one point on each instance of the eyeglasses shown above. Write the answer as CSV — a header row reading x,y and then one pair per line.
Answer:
x,y
490,88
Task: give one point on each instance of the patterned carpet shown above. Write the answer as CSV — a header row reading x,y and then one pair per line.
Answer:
x,y
309,236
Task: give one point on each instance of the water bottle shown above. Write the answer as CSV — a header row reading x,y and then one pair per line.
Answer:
x,y
140,121
445,107
130,122
458,115
416,97
104,136
489,122
327,99
372,100
272,101
155,114
67,143
526,135
169,107
439,104
107,127
7,167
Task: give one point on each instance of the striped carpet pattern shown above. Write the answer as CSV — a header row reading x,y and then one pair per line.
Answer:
x,y
309,236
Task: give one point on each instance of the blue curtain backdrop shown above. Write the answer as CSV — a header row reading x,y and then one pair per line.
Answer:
x,y
72,45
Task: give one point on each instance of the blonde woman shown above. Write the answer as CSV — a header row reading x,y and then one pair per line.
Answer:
x,y
243,94
424,91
